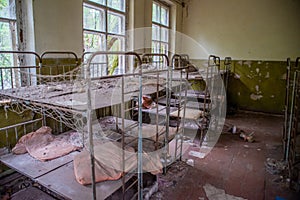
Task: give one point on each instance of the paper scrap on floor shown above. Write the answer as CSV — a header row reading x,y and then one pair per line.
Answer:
x,y
197,154
214,193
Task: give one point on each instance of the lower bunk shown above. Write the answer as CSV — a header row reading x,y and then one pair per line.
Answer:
x,y
61,175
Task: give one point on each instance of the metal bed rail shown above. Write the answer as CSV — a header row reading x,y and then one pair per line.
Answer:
x,y
58,62
17,67
291,134
165,76
18,130
88,77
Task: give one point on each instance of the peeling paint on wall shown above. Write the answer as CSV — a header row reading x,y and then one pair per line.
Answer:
x,y
257,82
257,89
283,77
249,76
267,75
248,63
249,91
255,97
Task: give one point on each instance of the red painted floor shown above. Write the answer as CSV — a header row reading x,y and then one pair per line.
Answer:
x,y
236,166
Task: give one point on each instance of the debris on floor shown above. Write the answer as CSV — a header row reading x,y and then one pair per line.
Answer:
x,y
197,154
233,129
247,137
275,167
175,173
190,162
230,128
214,193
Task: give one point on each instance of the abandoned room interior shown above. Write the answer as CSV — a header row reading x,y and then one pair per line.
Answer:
x,y
149,99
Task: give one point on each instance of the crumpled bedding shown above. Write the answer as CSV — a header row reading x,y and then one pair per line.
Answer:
x,y
43,145
109,163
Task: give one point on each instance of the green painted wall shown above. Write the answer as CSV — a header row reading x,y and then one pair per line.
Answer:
x,y
257,86
254,85
8,118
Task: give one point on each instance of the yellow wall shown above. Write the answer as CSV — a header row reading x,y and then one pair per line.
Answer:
x,y
58,25
245,29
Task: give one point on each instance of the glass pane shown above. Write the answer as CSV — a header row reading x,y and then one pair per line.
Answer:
x,y
115,43
115,23
155,48
165,16
164,35
164,48
93,19
156,13
7,60
116,4
115,62
7,9
5,36
155,32
102,2
94,42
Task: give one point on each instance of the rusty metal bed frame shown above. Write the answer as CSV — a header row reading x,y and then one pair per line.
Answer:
x,y
57,167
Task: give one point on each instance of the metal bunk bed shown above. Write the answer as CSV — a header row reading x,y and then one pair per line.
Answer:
x,y
176,107
66,104
291,132
215,101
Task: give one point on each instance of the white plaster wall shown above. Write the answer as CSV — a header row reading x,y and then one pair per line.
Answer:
x,y
58,25
244,29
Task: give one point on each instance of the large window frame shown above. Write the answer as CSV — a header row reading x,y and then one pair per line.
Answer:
x,y
160,27
110,37
8,42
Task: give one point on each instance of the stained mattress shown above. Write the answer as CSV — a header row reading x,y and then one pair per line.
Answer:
x,y
43,145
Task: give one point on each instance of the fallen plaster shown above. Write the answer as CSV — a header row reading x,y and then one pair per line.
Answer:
x,y
267,75
214,193
257,88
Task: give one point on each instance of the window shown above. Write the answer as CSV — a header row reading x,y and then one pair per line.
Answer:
x,y
8,41
104,30
160,28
